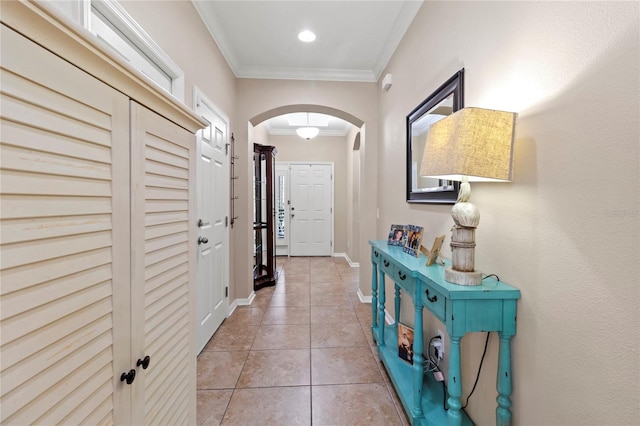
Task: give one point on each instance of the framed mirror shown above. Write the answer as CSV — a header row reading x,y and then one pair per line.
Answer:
x,y
447,99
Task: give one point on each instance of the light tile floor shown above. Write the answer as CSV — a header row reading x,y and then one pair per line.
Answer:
x,y
301,354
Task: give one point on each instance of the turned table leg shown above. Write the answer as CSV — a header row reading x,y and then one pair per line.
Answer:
x,y
418,360
374,301
381,301
454,415
503,412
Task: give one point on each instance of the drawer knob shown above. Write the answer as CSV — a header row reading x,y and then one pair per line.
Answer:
x,y
375,253
431,299
128,377
402,276
144,362
386,262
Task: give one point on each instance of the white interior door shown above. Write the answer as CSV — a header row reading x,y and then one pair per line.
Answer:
x,y
213,222
311,209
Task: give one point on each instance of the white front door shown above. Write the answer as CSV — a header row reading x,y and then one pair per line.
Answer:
x,y
311,209
213,232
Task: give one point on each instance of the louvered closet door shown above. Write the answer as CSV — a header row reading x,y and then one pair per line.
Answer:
x,y
64,292
163,285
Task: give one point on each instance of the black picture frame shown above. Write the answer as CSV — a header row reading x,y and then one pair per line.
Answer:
x,y
447,191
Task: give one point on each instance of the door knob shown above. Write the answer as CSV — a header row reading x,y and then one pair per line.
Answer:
x,y
292,208
128,377
203,240
144,362
292,215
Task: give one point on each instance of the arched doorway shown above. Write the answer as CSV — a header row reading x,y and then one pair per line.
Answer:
x,y
348,169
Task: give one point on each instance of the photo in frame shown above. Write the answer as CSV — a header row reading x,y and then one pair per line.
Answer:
x,y
414,240
405,343
397,235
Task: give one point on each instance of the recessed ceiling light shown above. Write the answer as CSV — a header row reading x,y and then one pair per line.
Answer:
x,y
307,36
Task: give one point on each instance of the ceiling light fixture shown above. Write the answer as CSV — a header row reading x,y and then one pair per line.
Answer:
x,y
307,132
307,36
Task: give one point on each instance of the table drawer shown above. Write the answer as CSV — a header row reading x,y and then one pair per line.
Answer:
x,y
376,256
402,275
387,267
434,301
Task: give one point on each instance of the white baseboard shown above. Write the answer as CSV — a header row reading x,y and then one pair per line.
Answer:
x,y
363,298
241,302
346,257
388,318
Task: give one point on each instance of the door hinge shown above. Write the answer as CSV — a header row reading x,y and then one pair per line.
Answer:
x,y
226,221
226,291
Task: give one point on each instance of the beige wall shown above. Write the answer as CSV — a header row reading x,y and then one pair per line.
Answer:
x,y
353,195
255,97
566,231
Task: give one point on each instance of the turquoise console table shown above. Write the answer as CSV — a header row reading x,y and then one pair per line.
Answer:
x,y
487,307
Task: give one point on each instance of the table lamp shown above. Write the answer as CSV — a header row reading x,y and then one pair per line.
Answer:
x,y
470,145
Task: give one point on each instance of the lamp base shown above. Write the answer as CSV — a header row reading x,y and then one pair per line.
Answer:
x,y
463,278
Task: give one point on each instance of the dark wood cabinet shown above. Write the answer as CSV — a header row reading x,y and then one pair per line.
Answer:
x,y
264,264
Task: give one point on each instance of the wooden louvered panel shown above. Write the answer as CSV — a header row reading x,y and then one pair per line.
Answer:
x,y
48,339
64,268
20,135
28,275
162,281
22,301
54,393
168,228
23,253
37,228
24,206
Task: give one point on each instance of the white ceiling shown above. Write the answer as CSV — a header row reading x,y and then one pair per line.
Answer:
x,y
355,41
286,124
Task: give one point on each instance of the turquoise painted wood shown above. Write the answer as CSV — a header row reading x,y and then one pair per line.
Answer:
x,y
463,309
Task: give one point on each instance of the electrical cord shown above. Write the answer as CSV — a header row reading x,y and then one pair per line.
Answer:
x,y
486,343
492,275
444,386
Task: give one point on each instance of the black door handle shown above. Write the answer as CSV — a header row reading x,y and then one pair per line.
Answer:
x,y
200,223
128,377
203,240
144,362
431,299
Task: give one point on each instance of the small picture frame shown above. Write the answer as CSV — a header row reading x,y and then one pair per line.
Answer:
x,y
414,240
397,235
405,343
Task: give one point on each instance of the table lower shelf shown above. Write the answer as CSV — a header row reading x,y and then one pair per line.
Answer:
x,y
402,376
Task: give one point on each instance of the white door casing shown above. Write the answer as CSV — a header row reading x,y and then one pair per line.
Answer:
x,y
283,204
212,216
311,209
